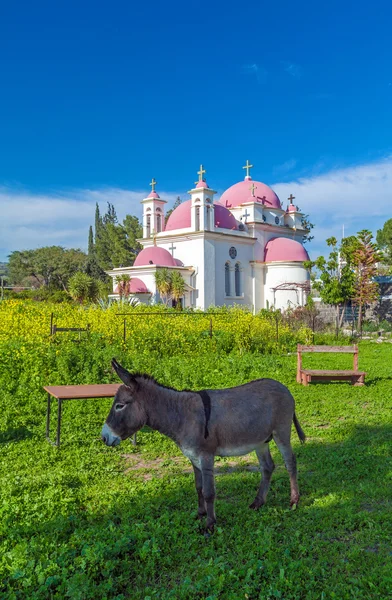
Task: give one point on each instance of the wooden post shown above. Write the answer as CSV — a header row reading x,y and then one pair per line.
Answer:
x,y
51,323
355,357
299,364
211,327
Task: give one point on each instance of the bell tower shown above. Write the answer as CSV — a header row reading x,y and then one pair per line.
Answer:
x,y
202,209
153,213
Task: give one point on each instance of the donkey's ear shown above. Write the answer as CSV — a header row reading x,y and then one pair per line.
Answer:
x,y
123,374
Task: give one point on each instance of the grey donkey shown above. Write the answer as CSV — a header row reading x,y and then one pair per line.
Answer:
x,y
209,423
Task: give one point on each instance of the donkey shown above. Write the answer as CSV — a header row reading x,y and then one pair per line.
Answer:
x,y
209,423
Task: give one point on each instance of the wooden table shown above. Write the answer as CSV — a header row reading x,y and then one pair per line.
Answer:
x,y
75,392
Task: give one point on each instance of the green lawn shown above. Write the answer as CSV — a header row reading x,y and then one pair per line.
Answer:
x,y
86,521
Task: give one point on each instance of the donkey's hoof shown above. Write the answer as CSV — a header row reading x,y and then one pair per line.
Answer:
x,y
256,504
210,526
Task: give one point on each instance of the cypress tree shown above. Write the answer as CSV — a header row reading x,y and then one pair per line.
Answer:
x,y
91,248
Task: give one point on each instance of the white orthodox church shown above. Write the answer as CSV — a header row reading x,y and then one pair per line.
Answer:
x,y
245,248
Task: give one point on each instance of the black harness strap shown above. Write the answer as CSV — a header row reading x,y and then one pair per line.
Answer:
x,y
207,410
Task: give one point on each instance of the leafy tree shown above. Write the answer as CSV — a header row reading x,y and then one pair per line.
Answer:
x,y
335,281
384,241
306,224
83,288
51,266
134,231
365,258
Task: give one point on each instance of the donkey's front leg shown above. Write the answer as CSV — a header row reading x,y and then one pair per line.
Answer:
x,y
207,471
201,511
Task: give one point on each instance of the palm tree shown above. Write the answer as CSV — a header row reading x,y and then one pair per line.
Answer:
x,y
123,283
163,283
177,287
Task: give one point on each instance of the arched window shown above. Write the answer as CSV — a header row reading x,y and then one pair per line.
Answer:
x,y
237,279
197,220
208,217
227,279
159,226
148,225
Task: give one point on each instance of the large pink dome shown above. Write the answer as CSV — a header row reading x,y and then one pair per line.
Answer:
x,y
284,249
239,193
136,286
181,217
154,256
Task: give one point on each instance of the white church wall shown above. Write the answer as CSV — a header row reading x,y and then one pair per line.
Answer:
x,y
284,272
243,258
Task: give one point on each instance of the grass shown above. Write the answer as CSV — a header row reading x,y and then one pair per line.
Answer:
x,y
86,521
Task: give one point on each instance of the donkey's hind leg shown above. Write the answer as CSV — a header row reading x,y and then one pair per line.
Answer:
x,y
267,466
283,442
201,511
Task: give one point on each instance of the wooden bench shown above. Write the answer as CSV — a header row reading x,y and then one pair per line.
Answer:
x,y
305,376
75,392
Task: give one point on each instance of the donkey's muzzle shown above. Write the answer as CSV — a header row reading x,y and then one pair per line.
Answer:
x,y
109,437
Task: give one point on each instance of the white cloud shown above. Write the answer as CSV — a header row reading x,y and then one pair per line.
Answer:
x,y
357,197
30,220
258,71
292,69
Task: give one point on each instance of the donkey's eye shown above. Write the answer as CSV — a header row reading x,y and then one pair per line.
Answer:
x,y
119,406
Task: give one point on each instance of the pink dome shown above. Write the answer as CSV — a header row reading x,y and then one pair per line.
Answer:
x,y
154,256
284,249
178,262
153,194
239,193
202,184
136,286
181,217
292,208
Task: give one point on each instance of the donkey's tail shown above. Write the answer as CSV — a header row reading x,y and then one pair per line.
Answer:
x,y
299,429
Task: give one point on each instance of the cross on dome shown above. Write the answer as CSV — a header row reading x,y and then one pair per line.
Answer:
x,y
248,166
291,198
252,188
201,173
153,184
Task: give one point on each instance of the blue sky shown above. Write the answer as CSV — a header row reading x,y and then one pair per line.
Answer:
x,y
98,97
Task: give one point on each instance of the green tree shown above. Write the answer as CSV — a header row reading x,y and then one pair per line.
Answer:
x,y
51,266
384,241
134,231
334,279
365,258
91,247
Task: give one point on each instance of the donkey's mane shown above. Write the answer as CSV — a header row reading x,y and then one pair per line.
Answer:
x,y
147,377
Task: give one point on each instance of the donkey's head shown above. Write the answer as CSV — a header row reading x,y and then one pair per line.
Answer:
x,y
127,414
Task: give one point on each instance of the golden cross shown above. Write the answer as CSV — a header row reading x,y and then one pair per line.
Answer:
x,y
247,167
153,184
201,173
291,198
253,187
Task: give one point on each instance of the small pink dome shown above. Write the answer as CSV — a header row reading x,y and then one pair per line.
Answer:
x,y
284,249
292,208
136,286
154,256
153,194
178,262
181,217
239,193
202,184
